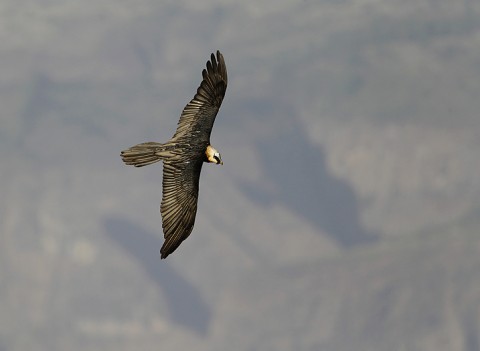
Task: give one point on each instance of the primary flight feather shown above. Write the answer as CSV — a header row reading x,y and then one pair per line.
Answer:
x,y
183,155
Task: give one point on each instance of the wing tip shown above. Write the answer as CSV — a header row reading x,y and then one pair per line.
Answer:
x,y
219,57
165,251
216,65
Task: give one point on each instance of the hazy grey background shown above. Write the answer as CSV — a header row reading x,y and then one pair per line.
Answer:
x,y
346,216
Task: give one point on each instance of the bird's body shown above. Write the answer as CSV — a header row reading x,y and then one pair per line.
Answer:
x,y
184,154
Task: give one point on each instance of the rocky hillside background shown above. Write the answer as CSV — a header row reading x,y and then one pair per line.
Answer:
x,y
346,216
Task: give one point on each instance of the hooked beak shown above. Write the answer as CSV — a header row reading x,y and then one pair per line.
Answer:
x,y
217,159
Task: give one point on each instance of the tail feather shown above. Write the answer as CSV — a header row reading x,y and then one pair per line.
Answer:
x,y
143,154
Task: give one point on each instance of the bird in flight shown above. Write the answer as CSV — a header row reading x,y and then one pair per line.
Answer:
x,y
183,155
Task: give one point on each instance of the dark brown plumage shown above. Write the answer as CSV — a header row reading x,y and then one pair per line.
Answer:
x,y
184,154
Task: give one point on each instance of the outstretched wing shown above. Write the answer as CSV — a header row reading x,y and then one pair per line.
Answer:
x,y
199,114
179,202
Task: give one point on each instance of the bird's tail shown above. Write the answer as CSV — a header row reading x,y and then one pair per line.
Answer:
x,y
144,154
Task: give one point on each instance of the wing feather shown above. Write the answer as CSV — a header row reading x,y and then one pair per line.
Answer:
x,y
199,114
179,202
